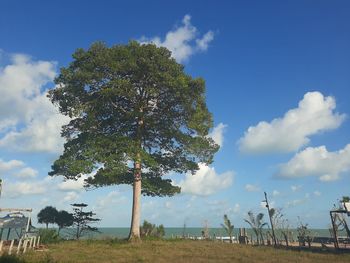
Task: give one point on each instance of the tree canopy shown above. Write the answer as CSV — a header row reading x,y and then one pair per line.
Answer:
x,y
82,220
64,219
133,110
47,215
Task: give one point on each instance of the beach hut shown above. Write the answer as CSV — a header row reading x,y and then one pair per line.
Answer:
x,y
16,224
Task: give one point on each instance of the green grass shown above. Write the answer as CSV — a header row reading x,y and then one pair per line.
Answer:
x,y
174,251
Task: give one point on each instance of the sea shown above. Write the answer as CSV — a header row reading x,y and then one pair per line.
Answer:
x,y
174,232
171,232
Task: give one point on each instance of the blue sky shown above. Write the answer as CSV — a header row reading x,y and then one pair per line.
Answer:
x,y
278,85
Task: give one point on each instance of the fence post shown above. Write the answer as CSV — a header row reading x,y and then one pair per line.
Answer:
x,y
19,246
11,246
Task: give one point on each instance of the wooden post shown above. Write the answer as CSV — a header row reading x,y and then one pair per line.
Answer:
x,y
25,246
11,246
30,242
1,244
34,242
19,246
38,241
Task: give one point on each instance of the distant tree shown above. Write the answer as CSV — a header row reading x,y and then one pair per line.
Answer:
x,y
131,104
257,225
47,215
304,234
82,220
64,219
151,230
228,227
281,223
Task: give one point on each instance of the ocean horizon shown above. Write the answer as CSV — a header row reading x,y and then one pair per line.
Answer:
x,y
173,232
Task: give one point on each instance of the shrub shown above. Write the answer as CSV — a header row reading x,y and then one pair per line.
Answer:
x,y
49,236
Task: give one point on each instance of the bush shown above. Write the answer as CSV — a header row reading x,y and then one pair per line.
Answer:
x,y
149,230
10,259
49,236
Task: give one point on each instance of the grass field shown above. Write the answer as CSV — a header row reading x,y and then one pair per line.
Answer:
x,y
174,251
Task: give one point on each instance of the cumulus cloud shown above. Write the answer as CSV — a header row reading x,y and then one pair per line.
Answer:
x,y
206,181
252,188
297,202
17,189
111,198
217,134
33,124
26,172
9,165
318,161
70,196
314,114
73,185
183,41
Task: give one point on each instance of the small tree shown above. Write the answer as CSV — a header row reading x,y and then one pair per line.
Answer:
x,y
64,219
228,227
257,225
81,220
151,230
304,234
47,216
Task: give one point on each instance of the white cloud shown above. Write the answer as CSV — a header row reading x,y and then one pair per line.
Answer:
x,y
317,193
9,165
217,134
275,193
73,185
295,188
33,123
206,181
18,189
315,113
26,172
183,41
296,202
111,198
327,166
252,188
70,196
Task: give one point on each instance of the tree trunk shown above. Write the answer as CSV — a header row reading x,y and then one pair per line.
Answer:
x,y
47,225
134,235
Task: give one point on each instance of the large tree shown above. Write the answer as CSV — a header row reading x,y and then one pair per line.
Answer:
x,y
64,219
134,110
47,215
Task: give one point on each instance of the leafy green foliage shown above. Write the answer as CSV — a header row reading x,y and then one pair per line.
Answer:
x,y
48,236
345,199
151,230
82,220
228,227
64,219
47,215
10,259
131,103
257,224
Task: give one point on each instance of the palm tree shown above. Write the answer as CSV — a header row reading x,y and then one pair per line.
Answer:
x,y
256,224
228,227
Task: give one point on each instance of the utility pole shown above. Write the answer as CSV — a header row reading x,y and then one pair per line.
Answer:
x,y
268,209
